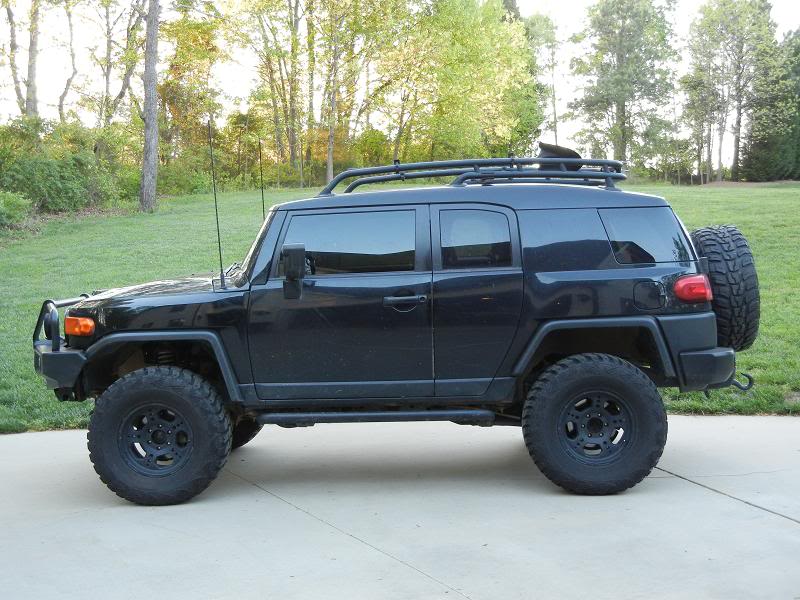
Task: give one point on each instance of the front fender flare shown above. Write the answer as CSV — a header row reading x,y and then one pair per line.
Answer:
x,y
107,342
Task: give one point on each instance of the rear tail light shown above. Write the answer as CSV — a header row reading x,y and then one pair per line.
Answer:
x,y
82,326
693,288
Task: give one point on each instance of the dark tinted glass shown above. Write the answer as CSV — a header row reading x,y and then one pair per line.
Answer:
x,y
364,242
564,240
474,238
645,235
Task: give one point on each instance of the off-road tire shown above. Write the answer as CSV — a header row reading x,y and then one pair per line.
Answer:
x,y
591,377
734,282
244,431
199,406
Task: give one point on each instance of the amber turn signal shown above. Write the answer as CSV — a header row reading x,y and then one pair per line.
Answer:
x,y
78,326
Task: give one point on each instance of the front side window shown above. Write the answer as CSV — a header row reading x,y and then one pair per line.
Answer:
x,y
474,239
355,242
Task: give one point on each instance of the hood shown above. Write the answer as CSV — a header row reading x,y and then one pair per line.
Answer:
x,y
153,289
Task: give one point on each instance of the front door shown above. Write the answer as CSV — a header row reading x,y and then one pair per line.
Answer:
x,y
361,327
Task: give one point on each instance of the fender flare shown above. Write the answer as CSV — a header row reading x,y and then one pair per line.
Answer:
x,y
646,322
209,337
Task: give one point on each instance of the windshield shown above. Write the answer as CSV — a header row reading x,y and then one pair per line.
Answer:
x,y
250,257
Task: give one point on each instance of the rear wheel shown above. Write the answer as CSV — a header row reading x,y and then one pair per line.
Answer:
x,y
159,435
594,424
734,282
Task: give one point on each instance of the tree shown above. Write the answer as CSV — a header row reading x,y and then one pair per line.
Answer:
x,y
147,189
772,147
626,66
28,102
68,8
541,33
733,33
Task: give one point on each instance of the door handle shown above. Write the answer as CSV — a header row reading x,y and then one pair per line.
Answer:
x,y
400,300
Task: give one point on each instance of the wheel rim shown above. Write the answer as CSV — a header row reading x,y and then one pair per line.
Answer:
x,y
596,427
155,440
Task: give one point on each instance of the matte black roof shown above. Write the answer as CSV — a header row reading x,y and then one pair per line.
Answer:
x,y
519,196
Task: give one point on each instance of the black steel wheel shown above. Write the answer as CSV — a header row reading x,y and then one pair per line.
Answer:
x,y
159,435
594,424
155,440
244,430
596,427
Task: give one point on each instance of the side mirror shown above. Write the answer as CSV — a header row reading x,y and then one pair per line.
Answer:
x,y
294,268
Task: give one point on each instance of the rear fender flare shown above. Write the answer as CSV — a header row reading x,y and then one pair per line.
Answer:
x,y
521,367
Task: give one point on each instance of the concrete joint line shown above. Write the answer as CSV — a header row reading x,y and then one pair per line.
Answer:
x,y
731,496
355,537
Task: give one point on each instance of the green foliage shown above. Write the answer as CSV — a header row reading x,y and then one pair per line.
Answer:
x,y
773,147
627,67
13,208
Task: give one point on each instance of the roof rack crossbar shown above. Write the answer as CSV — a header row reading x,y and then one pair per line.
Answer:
x,y
403,176
540,174
605,168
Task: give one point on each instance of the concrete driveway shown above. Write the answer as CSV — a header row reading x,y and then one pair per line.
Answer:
x,y
416,511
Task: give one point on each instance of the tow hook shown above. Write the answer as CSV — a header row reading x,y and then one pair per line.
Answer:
x,y
737,384
743,386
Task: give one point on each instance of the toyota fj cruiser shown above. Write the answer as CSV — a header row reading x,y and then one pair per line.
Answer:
x,y
528,291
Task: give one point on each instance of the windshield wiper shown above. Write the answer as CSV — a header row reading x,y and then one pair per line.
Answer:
x,y
233,267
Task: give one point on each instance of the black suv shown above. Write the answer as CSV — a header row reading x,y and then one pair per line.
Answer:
x,y
528,291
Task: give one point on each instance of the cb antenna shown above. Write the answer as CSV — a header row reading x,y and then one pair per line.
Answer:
x,y
261,176
216,208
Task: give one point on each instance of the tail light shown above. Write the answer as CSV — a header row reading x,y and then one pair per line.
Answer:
x,y
82,326
693,288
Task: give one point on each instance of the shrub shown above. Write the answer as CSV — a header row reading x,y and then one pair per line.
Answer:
x,y
52,185
13,208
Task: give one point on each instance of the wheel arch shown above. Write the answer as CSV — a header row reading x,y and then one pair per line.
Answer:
x,y
627,337
99,355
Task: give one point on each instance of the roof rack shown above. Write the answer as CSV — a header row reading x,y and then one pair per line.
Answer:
x,y
575,171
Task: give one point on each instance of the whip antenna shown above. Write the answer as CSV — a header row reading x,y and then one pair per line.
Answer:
x,y
261,176
216,209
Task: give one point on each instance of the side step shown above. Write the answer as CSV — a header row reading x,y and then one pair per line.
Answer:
x,y
304,419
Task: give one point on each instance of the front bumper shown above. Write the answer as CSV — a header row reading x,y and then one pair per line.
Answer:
x,y
704,369
59,366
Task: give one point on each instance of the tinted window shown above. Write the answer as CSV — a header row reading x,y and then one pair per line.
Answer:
x,y
645,235
474,238
358,242
564,240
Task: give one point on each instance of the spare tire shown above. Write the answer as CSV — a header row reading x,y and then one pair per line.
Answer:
x,y
734,282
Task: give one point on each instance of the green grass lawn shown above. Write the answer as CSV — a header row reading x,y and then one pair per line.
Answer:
x,y
71,255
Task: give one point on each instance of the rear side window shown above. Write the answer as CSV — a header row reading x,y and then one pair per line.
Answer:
x,y
355,242
474,239
645,235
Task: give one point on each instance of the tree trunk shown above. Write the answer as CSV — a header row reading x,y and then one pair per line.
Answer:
x,y
621,140
12,57
147,191
68,84
737,133
720,137
294,24
312,60
332,107
31,100
709,168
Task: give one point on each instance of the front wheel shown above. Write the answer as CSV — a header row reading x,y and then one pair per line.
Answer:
x,y
594,424
159,435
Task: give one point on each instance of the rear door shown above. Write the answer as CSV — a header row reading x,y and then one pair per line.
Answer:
x,y
477,291
362,325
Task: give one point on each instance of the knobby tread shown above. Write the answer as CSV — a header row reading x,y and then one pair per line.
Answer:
x,y
542,447
734,282
208,404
